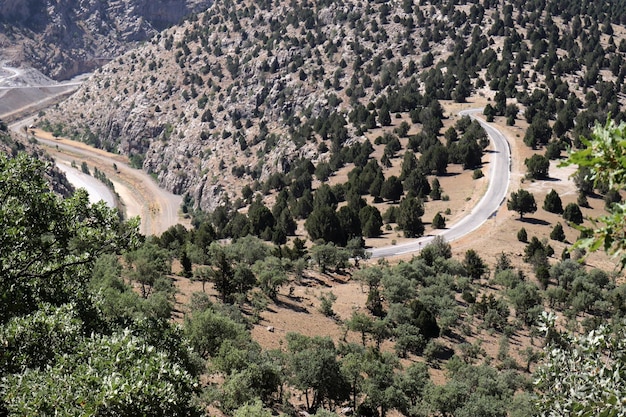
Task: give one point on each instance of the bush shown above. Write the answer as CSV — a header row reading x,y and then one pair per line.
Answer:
x,y
478,173
439,222
327,300
522,235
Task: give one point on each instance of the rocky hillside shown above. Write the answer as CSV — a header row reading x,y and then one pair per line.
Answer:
x,y
248,88
64,38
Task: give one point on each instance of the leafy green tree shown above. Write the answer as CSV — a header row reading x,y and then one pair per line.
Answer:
x,y
202,274
33,341
115,374
360,323
411,383
324,256
271,275
48,245
552,202
437,248
537,166
147,265
315,370
380,393
522,202
526,299
352,367
207,330
254,409
572,364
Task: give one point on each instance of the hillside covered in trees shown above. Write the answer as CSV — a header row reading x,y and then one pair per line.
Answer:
x,y
247,89
87,305
252,110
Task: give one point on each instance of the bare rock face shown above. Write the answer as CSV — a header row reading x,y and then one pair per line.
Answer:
x,y
63,38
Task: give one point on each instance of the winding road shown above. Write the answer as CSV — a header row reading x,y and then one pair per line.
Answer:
x,y
158,208
139,193
499,177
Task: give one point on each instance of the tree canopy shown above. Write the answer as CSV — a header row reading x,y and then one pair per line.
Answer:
x,y
522,202
61,352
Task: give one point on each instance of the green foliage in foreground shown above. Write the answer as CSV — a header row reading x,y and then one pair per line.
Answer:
x,y
604,156
583,376
105,375
48,243
68,350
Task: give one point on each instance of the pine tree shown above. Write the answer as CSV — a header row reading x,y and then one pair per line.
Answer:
x,y
557,233
553,203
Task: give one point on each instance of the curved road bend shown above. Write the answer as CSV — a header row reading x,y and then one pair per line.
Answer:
x,y
157,207
499,176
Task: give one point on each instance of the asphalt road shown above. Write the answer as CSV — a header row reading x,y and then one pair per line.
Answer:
x,y
499,176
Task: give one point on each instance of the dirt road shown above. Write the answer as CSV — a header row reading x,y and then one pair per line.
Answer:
x,y
27,90
139,193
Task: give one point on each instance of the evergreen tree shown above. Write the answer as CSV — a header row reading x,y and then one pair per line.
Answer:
x,y
552,202
557,233
474,266
435,189
573,214
522,235
522,202
409,217
537,166
371,221
323,224
439,222
392,189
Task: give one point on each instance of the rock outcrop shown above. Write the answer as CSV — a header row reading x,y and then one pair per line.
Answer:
x,y
66,37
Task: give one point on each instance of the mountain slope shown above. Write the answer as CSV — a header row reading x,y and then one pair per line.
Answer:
x,y
65,38
247,89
